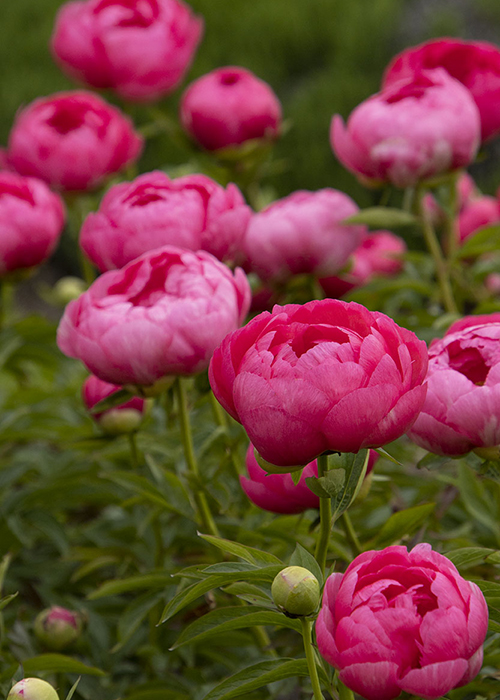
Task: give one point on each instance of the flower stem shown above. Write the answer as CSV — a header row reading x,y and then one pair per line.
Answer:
x,y
350,533
134,452
311,663
204,515
325,519
221,420
451,215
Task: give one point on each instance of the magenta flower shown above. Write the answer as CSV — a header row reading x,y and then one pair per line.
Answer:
x,y
402,621
72,140
162,314
412,130
228,107
327,375
141,49
462,408
192,212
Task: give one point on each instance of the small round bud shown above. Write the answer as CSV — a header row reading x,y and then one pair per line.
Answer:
x,y
67,289
295,591
118,421
32,689
57,628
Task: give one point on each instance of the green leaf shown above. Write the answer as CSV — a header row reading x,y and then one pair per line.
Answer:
x,y
355,466
73,688
59,663
382,217
233,618
228,567
132,617
467,557
117,399
301,557
7,599
4,565
490,589
329,485
485,240
195,590
249,554
402,523
383,453
477,499
143,487
158,694
296,476
155,579
432,461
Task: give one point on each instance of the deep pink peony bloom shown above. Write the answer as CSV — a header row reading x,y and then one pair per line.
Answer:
x,y
327,375
228,107
462,408
476,64
127,415
72,140
31,221
302,233
141,49
192,212
402,621
479,212
412,130
380,253
162,314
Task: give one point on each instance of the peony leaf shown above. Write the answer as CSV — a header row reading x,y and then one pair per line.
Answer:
x,y
402,523
253,556
58,663
301,557
382,218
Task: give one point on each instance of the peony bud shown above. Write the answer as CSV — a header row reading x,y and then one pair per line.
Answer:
x,y
32,689
295,591
67,289
57,628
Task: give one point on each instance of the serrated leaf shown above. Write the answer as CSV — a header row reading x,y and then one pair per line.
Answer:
x,y
382,218
117,399
59,663
249,554
402,523
467,557
155,579
301,557
233,618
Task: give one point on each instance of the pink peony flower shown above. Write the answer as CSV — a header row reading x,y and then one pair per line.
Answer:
x,y
162,314
327,375
462,408
192,212
479,212
141,49
402,621
476,64
380,253
412,130
72,140
124,418
228,107
31,221
302,233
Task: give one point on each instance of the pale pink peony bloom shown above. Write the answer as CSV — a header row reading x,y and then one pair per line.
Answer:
x,y
302,233
72,140
462,408
479,212
402,621
228,107
476,64
327,375
141,49
410,131
192,212
124,418
381,253
161,315
31,221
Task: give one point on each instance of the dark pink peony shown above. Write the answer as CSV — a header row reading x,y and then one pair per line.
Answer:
x,y
402,621
72,140
327,375
31,221
192,212
476,64
228,107
410,131
141,49
161,315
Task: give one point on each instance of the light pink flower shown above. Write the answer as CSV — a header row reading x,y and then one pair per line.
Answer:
x,y
476,64
327,375
31,221
228,107
192,212
141,49
72,140
162,314
402,621
302,233
410,131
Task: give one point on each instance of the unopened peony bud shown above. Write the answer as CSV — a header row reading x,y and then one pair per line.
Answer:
x,y
32,689
295,591
68,288
57,628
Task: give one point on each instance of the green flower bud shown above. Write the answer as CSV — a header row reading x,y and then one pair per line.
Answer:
x,y
68,288
32,689
120,421
295,591
57,628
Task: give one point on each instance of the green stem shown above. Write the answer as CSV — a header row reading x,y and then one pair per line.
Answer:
x,y
204,515
311,663
350,533
434,248
134,452
451,216
325,520
344,692
263,640
221,420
